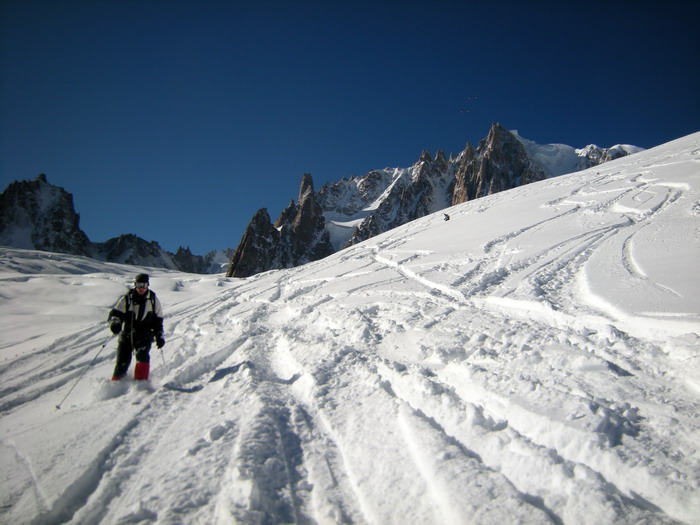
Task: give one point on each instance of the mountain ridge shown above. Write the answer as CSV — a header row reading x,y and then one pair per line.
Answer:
x,y
37,215
359,208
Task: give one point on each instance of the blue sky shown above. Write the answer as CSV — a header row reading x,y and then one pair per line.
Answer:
x,y
176,121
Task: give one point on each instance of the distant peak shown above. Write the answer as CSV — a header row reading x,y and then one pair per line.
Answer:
x,y
307,186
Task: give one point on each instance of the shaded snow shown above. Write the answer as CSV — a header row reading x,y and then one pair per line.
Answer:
x,y
534,360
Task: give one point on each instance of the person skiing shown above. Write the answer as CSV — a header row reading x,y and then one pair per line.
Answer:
x,y
140,315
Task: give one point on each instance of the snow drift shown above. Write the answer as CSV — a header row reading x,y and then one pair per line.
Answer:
x,y
534,359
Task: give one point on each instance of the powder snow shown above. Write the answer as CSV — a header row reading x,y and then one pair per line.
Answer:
x,y
533,360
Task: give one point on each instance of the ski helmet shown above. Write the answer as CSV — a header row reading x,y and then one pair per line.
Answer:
x,y
141,278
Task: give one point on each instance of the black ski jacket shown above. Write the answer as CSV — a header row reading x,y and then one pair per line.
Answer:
x,y
141,315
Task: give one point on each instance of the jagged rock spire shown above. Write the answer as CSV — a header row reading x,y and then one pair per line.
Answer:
x,y
256,251
307,186
297,236
499,163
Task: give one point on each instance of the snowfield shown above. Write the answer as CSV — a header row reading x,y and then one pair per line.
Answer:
x,y
535,359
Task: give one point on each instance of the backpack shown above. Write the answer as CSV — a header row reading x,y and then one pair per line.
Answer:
x,y
127,297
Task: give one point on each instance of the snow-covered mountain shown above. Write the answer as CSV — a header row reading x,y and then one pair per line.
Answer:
x,y
38,215
359,208
533,360
560,159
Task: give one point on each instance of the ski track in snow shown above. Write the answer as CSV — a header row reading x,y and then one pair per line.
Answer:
x,y
440,373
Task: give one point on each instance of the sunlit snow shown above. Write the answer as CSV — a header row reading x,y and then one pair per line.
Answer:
x,y
535,359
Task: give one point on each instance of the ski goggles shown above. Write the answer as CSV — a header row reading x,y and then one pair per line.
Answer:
x,y
140,285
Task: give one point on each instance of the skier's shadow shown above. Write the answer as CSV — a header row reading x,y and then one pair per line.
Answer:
x,y
186,390
223,372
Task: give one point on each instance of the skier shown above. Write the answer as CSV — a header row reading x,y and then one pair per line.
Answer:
x,y
140,313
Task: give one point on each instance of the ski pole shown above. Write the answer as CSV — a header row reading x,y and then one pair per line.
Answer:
x,y
58,407
161,349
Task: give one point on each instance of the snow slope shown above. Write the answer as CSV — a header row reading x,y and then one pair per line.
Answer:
x,y
533,360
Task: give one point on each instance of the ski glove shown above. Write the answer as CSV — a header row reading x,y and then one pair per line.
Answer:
x,y
115,325
160,342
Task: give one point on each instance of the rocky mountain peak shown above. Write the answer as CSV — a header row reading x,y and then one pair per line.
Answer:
x,y
501,146
440,159
354,209
307,186
298,236
37,215
257,250
308,221
499,163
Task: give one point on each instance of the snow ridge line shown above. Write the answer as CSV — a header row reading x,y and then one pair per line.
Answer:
x,y
502,448
76,496
26,463
334,479
266,465
83,339
47,379
471,434
485,480
331,477
463,510
197,366
154,427
269,451
443,289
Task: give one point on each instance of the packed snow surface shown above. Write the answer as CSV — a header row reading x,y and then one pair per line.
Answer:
x,y
535,359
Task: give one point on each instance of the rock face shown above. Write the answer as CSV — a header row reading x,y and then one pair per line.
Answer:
x,y
258,250
499,163
37,215
349,211
419,191
131,249
212,262
298,236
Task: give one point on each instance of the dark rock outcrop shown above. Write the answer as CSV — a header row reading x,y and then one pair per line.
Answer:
x,y
420,191
298,236
499,163
131,249
36,215
258,249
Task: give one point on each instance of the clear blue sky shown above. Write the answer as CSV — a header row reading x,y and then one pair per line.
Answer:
x,y
176,121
